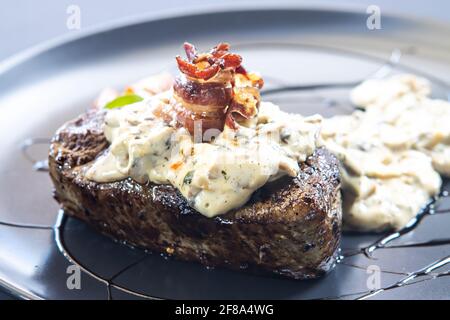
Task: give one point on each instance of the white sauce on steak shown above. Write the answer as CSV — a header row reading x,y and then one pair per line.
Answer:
x,y
389,153
389,150
214,177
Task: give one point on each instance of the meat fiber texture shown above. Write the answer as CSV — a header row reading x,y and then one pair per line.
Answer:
x,y
289,227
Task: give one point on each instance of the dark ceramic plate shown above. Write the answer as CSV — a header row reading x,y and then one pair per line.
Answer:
x,y
318,54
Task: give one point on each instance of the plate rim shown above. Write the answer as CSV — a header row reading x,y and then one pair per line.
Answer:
x,y
33,51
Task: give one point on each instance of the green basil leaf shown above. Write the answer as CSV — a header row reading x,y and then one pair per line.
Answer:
x,y
123,101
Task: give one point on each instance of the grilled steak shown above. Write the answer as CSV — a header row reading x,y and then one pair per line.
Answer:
x,y
289,227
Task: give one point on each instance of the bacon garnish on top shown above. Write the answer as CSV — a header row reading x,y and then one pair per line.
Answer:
x,y
214,89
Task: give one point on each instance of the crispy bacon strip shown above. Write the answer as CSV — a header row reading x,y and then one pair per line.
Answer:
x,y
214,88
194,71
220,50
243,106
210,94
218,58
190,50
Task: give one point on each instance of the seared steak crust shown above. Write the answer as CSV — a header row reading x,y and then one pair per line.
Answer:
x,y
290,227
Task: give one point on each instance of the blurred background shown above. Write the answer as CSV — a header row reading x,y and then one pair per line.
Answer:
x,y
25,23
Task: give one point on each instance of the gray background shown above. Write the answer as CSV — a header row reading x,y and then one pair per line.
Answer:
x,y
26,23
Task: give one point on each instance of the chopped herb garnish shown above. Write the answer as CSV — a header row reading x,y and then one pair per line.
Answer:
x,y
168,144
123,101
285,137
224,173
188,177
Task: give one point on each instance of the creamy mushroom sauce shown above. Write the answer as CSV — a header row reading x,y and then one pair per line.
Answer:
x,y
390,152
214,177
